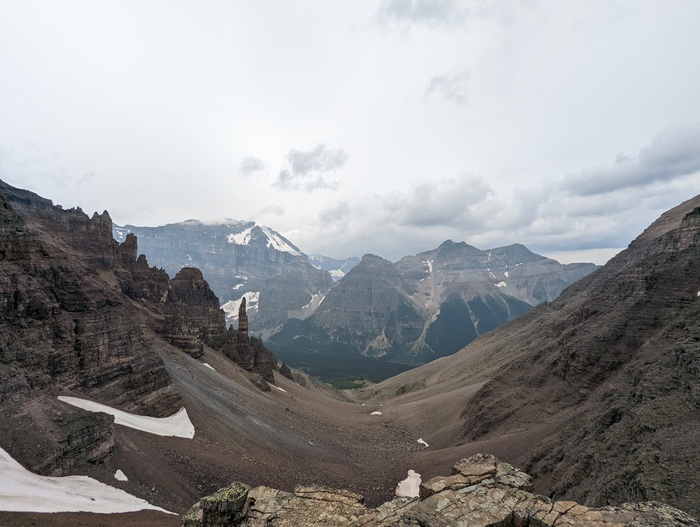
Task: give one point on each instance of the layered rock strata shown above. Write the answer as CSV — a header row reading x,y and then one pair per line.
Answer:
x,y
82,314
481,492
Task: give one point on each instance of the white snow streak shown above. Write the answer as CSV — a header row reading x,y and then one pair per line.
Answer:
x,y
241,238
506,274
208,365
120,476
376,413
275,242
501,284
177,425
420,440
336,274
24,491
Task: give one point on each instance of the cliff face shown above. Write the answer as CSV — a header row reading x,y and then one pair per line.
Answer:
x,y
63,323
81,314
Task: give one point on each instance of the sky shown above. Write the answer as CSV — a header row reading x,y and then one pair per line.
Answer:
x,y
354,127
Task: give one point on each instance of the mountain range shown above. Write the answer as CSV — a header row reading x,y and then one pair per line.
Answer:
x,y
383,317
348,318
595,393
238,259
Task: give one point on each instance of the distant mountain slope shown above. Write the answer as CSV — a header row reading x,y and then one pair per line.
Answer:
x,y
598,392
423,307
337,268
237,258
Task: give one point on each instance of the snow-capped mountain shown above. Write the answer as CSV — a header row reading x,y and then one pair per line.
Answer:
x,y
237,258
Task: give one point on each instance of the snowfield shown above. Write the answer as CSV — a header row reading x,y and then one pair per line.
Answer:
x,y
24,491
178,425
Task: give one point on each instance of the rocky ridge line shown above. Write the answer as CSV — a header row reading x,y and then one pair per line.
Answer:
x,y
481,492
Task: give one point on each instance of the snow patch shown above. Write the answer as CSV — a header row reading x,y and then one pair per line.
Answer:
x,y
501,284
237,286
698,293
278,388
24,491
336,274
409,487
177,425
208,365
376,413
420,440
506,274
120,476
241,238
232,306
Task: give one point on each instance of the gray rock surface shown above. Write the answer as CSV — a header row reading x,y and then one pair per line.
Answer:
x,y
482,492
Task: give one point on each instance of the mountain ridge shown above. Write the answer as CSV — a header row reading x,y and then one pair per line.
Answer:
x,y
419,308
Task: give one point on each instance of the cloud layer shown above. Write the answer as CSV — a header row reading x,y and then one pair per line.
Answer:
x,y
311,170
673,154
365,126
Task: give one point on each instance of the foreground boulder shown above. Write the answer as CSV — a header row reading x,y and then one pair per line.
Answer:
x,y
481,492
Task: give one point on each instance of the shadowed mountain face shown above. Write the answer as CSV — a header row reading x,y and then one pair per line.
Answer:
x,y
597,394
423,307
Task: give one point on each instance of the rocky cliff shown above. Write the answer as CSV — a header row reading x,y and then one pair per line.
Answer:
x,y
420,308
80,313
481,492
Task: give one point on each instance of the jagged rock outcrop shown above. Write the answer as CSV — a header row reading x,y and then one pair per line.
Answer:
x,y
249,352
81,313
482,491
193,317
138,280
65,325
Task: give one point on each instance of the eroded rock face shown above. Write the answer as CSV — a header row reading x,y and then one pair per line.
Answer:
x,y
481,492
193,317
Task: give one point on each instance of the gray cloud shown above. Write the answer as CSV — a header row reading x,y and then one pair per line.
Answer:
x,y
335,214
251,165
443,202
450,87
421,11
310,170
277,210
671,155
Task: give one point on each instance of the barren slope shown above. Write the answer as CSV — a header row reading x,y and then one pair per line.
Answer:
x,y
598,392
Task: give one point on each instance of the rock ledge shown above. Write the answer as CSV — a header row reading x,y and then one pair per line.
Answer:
x,y
481,492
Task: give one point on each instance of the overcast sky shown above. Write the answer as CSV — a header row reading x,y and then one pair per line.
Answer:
x,y
360,126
